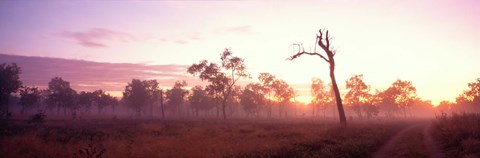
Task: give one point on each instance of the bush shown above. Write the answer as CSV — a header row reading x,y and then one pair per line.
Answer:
x,y
459,134
38,118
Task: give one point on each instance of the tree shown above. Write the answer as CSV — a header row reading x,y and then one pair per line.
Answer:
x,y
176,96
283,94
386,101
324,43
252,98
200,100
155,94
357,96
321,96
444,106
471,96
86,100
222,78
103,100
406,93
29,97
136,95
61,95
9,83
267,80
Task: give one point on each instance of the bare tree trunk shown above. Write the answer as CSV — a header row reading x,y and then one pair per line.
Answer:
x,y
218,111
161,104
341,112
224,102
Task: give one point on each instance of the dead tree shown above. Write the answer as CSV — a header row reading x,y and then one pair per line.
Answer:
x,y
324,43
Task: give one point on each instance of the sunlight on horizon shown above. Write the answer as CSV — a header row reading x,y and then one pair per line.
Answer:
x,y
434,44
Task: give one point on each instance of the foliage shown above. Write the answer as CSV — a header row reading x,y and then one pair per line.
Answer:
x,y
200,100
469,100
359,98
267,80
138,94
222,78
252,98
29,96
322,96
283,94
38,118
459,134
9,83
405,94
61,95
399,96
177,95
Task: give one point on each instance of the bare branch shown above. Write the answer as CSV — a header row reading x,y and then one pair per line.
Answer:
x,y
308,53
327,39
302,51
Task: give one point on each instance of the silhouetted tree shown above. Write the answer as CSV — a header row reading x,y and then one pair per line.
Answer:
x,y
155,94
406,93
324,42
233,102
201,100
357,96
177,95
103,100
267,80
321,96
9,83
29,97
444,106
386,101
61,95
283,94
222,78
252,98
471,97
136,95
86,100
422,107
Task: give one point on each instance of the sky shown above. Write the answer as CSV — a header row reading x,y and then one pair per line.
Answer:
x,y
433,43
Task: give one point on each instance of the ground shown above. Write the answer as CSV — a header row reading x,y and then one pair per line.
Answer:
x,y
218,138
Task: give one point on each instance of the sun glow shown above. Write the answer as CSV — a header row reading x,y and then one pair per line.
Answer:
x,y
306,99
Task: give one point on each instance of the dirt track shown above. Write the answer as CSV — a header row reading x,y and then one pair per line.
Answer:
x,y
396,146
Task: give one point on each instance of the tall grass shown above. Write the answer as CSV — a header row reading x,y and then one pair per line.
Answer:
x,y
174,138
356,140
459,134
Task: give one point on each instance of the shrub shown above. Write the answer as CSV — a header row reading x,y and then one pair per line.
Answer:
x,y
38,118
459,134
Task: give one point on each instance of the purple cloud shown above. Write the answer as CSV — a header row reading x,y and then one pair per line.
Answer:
x,y
89,76
96,37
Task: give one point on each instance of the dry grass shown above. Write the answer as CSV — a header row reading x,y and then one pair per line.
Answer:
x,y
212,138
459,134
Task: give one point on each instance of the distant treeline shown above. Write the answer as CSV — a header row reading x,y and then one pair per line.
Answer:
x,y
269,97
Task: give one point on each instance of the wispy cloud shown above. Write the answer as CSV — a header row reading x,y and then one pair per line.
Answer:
x,y
181,42
244,29
96,37
88,76
196,36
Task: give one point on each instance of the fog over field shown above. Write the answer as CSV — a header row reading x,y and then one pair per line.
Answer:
x,y
345,79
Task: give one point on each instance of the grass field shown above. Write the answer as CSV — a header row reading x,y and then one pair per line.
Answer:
x,y
189,138
459,134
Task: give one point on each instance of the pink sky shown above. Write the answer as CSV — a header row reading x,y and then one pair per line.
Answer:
x,y
433,43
